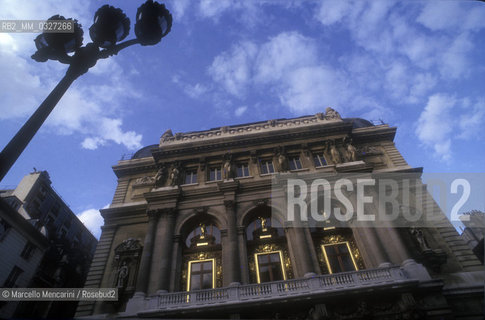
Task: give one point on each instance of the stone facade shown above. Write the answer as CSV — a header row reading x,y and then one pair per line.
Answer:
x,y
197,214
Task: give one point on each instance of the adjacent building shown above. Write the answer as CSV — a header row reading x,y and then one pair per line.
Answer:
x,y
196,229
60,255
474,231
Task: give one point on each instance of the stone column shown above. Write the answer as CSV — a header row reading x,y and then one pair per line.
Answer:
x,y
311,250
301,252
297,240
167,221
230,247
243,255
394,245
370,246
146,257
176,272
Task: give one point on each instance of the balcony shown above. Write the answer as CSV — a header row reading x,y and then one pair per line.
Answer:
x,y
295,289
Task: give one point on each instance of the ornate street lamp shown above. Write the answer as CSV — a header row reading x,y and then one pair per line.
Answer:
x,y
111,25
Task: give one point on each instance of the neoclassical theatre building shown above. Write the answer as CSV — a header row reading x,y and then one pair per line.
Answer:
x,y
194,231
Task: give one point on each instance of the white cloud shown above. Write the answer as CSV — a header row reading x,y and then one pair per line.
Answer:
x,y
179,8
471,122
455,60
214,8
435,124
285,66
240,111
311,89
232,69
447,118
331,12
453,15
285,52
93,220
92,143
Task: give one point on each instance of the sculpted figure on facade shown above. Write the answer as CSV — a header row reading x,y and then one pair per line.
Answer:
x,y
174,175
334,153
161,176
351,151
228,168
282,160
421,240
122,275
331,114
167,135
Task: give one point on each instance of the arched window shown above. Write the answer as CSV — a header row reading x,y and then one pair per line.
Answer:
x,y
267,249
202,257
336,249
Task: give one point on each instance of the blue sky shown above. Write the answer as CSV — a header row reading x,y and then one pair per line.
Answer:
x,y
413,64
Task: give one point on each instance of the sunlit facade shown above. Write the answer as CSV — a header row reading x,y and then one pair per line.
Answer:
x,y
193,231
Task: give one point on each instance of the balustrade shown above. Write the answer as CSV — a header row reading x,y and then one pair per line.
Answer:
x,y
269,290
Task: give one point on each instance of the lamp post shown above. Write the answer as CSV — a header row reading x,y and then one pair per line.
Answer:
x,y
111,25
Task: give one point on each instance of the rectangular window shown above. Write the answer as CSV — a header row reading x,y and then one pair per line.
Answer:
x,y
68,221
319,160
191,176
242,170
339,257
267,167
269,266
13,277
201,275
28,251
4,228
62,233
294,163
215,174
55,209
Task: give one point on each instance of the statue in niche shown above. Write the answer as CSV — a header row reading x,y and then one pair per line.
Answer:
x,y
264,223
160,176
174,175
331,114
228,168
419,236
334,153
122,275
351,151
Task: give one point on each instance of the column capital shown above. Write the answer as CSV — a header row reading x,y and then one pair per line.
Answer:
x,y
153,214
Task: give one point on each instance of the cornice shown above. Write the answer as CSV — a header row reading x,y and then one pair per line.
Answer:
x,y
256,139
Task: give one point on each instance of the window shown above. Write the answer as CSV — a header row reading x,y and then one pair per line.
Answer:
x,y
338,257
28,251
319,160
68,221
242,170
4,228
191,176
55,209
12,277
62,233
215,174
201,275
269,267
267,167
294,163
